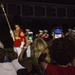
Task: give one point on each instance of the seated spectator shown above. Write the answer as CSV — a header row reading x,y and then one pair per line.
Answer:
x,y
6,68
6,57
62,52
18,67
71,35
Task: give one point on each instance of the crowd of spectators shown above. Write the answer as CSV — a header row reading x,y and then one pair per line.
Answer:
x,y
48,56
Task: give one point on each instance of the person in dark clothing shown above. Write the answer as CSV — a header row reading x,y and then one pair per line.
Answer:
x,y
62,52
22,72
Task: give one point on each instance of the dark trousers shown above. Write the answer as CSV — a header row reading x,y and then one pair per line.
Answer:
x,y
22,72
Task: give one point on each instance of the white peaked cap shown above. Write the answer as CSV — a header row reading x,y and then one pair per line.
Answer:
x,y
41,31
27,30
45,30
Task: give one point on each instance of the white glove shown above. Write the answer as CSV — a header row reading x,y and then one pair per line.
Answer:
x,y
11,32
22,45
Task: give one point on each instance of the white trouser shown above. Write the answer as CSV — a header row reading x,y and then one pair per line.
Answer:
x,y
18,50
28,52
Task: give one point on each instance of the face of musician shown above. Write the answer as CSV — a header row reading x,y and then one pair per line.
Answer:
x,y
17,27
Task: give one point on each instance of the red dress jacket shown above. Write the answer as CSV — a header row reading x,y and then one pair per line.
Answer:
x,y
57,70
18,40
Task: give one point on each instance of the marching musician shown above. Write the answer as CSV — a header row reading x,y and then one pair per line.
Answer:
x,y
17,35
18,39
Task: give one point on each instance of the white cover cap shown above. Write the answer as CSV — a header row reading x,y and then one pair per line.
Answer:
x,y
41,31
45,30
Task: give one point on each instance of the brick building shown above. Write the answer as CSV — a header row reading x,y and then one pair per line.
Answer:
x,y
35,16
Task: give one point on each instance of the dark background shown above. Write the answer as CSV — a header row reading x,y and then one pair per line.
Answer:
x,y
72,2
34,24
